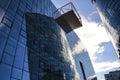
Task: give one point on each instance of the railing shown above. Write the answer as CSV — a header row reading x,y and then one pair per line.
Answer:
x,y
64,9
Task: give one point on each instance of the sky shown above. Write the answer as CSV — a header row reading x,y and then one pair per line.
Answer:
x,y
94,37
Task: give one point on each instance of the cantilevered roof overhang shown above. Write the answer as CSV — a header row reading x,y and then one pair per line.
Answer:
x,y
67,17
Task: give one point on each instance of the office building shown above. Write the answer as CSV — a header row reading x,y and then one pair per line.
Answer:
x,y
113,75
32,44
81,57
109,11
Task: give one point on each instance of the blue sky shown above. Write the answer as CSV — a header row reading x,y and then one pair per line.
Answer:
x,y
94,37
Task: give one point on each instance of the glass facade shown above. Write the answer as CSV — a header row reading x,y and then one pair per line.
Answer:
x,y
49,55
109,11
81,57
15,64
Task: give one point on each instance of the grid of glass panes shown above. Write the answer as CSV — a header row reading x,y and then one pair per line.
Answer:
x,y
13,50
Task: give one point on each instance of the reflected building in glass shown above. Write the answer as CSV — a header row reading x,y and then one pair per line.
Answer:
x,y
109,11
49,55
37,50
81,57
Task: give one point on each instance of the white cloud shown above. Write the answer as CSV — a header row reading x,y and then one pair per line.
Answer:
x,y
92,34
105,66
92,14
78,48
99,49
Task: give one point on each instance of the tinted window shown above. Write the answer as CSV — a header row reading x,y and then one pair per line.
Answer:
x,y
3,38
4,3
2,12
4,28
26,66
16,73
8,59
12,42
5,72
22,40
19,58
10,50
7,22
15,29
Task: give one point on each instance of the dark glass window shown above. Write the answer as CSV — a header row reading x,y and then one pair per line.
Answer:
x,y
7,22
5,72
9,16
22,6
4,28
20,12
19,18
2,12
8,59
10,49
16,73
12,41
10,12
26,55
19,58
14,5
15,29
3,38
4,3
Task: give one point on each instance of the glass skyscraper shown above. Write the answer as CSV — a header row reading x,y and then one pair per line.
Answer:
x,y
33,51
109,11
81,57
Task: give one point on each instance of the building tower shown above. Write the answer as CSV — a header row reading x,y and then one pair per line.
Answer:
x,y
109,11
113,75
81,57
21,58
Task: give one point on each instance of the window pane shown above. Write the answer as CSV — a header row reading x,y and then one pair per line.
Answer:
x,y
4,3
19,58
3,38
2,12
26,55
7,22
4,28
12,41
5,72
22,40
23,33
26,76
16,73
9,16
8,59
10,50
15,29
26,66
